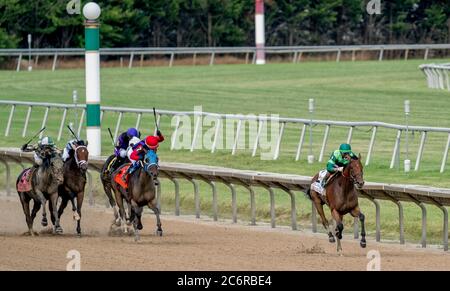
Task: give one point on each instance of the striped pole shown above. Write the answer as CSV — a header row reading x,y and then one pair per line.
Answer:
x,y
92,45
259,32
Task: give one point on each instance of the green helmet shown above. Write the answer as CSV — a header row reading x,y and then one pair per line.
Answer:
x,y
46,141
345,148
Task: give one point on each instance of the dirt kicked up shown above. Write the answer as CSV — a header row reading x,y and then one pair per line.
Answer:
x,y
190,244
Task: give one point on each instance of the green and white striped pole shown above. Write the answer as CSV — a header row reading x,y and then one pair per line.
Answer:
x,y
91,12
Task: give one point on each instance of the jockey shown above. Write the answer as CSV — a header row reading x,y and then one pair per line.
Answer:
x,y
148,146
69,148
123,141
338,160
45,147
134,141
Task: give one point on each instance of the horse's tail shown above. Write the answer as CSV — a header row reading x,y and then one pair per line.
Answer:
x,y
308,193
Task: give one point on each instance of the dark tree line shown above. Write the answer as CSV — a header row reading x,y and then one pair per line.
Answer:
x,y
181,23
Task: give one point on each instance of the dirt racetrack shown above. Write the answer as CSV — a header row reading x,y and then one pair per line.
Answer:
x,y
190,244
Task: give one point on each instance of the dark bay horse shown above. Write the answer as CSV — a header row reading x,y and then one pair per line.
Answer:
x,y
112,163
342,198
45,181
141,192
75,168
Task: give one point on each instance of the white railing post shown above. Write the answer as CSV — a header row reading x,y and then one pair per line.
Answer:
x,y
44,121
27,119
11,114
396,151
372,142
236,139
444,158
324,142
300,143
420,152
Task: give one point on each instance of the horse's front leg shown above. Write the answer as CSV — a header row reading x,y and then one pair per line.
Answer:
x,y
152,206
54,209
357,213
319,206
80,198
62,206
137,224
36,207
339,228
41,198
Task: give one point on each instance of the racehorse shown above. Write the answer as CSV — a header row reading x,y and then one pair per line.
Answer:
x,y
141,192
75,169
112,163
342,198
43,184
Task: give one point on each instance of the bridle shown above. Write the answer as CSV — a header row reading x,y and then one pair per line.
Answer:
x,y
79,162
352,178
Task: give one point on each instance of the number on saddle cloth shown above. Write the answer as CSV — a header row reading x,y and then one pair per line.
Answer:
x,y
24,184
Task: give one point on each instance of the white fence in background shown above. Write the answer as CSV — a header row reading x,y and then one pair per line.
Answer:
x,y
289,184
437,75
302,124
295,52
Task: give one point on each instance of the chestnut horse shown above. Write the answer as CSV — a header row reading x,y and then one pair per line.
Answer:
x,y
342,198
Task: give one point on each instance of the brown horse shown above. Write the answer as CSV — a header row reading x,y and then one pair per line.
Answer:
x,y
75,168
141,192
342,198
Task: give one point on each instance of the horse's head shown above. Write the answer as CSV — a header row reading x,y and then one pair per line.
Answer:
x,y
57,168
356,171
81,154
150,166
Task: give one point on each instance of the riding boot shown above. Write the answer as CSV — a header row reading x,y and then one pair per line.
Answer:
x,y
127,173
325,179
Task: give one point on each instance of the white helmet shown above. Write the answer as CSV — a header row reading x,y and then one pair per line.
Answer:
x,y
46,141
133,141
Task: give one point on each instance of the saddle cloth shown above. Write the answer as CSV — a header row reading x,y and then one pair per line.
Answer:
x,y
24,184
118,178
317,186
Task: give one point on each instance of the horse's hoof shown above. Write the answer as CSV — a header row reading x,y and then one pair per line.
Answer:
x,y
139,226
137,238
117,222
79,235
44,222
58,230
331,239
362,244
159,232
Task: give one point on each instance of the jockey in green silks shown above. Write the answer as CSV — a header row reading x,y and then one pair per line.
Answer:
x,y
338,160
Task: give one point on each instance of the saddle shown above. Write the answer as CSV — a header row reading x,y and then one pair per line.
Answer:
x,y
317,186
24,184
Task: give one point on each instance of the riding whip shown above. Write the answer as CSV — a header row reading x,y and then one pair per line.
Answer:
x,y
35,135
154,114
74,135
110,134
